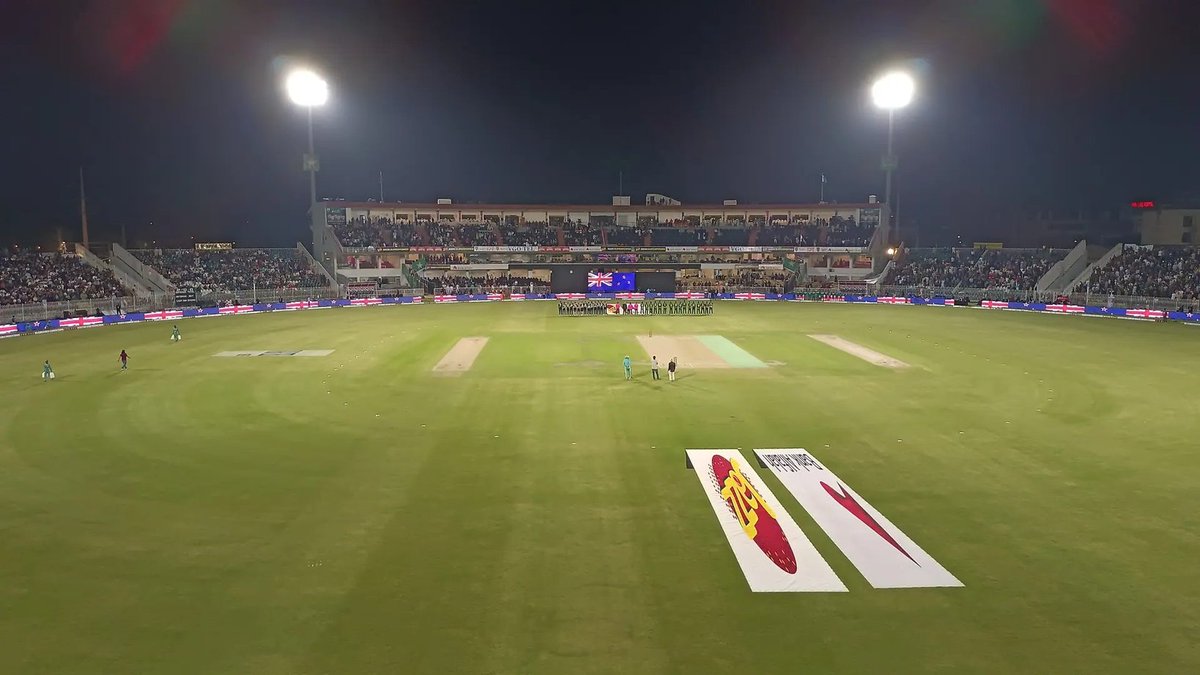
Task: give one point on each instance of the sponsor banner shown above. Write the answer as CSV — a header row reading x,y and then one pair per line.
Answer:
x,y
445,298
552,249
236,309
165,315
681,249
714,249
631,296
584,249
516,297
495,296
425,249
773,553
884,554
889,300
747,249
303,304
570,296
1066,309
749,296
364,302
993,304
1145,313
10,329
828,249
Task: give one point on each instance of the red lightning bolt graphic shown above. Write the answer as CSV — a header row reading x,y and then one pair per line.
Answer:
x,y
847,502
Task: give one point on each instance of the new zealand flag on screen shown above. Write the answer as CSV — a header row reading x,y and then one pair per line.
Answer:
x,y
623,281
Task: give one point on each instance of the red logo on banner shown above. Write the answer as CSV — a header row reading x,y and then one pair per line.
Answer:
x,y
851,504
753,513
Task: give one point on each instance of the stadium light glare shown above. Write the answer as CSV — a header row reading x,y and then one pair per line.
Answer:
x,y
893,91
891,251
306,88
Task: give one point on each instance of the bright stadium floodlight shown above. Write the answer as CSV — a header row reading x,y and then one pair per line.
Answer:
x,y
893,91
306,88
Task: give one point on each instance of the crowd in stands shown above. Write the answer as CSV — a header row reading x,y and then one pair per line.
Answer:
x,y
1159,273
473,234
440,235
626,236
732,236
364,232
52,277
579,233
233,270
382,233
443,259
678,236
533,234
506,283
772,280
975,268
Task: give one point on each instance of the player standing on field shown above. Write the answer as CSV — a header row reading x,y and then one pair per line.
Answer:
x,y
671,368
654,368
47,372
628,363
124,358
175,336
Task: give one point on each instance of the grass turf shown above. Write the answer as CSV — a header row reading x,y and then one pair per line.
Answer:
x,y
355,513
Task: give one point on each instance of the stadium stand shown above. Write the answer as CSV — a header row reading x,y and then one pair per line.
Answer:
x,y
378,232
236,270
780,235
362,232
975,268
626,236
732,236
1159,273
579,233
27,278
678,236
440,234
476,234
533,234
771,280
492,284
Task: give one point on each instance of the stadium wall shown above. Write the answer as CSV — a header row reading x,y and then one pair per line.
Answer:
x,y
54,325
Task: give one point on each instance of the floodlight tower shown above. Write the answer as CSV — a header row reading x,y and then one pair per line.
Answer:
x,y
892,92
306,88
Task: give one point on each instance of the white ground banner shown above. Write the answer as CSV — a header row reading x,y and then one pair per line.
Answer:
x,y
772,551
884,554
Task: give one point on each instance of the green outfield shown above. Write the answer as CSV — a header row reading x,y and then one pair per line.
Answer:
x,y
359,513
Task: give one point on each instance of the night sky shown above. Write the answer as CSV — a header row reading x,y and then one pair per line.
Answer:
x,y
175,109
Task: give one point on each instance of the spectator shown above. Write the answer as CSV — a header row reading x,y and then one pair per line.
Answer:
x,y
976,268
53,277
1160,273
236,270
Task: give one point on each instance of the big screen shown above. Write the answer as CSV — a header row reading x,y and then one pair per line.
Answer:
x,y
605,282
